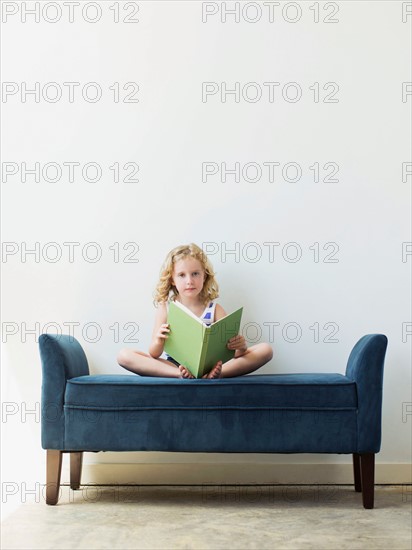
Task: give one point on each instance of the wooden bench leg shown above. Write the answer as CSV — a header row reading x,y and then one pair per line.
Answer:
x,y
367,466
357,472
76,462
54,469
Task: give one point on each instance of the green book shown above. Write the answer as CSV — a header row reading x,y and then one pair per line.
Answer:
x,y
196,346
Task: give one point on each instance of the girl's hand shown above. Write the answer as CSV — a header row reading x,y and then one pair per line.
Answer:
x,y
238,343
163,332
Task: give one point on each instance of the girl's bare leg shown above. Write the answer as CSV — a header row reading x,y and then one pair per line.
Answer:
x,y
254,357
146,365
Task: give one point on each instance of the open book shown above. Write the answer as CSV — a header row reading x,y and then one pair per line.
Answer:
x,y
195,345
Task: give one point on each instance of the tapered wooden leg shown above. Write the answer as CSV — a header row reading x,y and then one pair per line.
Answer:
x,y
76,462
357,472
367,463
54,469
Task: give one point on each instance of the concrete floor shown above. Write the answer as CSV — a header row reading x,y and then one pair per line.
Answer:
x,y
214,517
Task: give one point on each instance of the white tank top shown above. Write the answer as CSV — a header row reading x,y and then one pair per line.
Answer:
x,y
208,316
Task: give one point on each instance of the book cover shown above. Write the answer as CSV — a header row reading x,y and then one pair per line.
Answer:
x,y
196,346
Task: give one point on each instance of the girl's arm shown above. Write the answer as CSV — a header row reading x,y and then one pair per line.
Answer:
x,y
219,312
160,331
238,343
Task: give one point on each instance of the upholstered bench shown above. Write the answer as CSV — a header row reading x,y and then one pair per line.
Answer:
x,y
278,413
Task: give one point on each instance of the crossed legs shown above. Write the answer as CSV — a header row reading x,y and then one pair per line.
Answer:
x,y
146,365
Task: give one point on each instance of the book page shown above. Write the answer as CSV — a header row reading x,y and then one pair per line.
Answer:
x,y
189,312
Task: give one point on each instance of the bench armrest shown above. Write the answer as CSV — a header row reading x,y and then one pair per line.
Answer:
x,y
365,367
62,358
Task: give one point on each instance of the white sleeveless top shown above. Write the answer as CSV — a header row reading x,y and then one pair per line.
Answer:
x,y
208,316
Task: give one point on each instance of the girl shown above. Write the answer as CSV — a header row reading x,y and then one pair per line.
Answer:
x,y
187,276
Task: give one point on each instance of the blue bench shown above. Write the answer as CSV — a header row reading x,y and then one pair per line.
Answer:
x,y
278,413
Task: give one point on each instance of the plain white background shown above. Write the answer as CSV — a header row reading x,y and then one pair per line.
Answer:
x,y
361,221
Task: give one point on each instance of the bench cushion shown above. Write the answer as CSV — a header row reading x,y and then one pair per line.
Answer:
x,y
106,392
255,413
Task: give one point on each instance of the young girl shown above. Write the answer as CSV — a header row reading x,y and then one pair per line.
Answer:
x,y
187,277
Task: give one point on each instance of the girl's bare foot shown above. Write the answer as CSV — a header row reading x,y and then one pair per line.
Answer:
x,y
216,372
185,372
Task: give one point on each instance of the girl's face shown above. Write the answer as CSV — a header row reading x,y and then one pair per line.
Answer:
x,y
188,277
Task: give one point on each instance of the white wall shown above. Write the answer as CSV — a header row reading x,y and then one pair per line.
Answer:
x,y
358,122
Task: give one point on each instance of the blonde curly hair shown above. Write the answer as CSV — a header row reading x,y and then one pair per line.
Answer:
x,y
165,290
